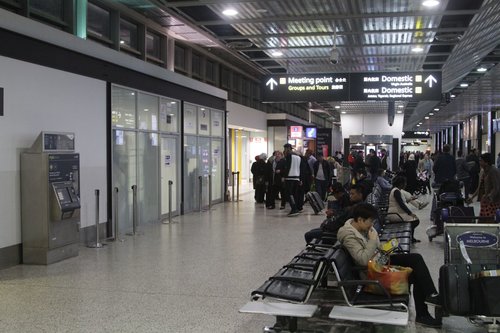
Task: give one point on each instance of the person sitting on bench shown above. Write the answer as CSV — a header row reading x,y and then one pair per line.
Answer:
x,y
335,219
361,240
398,210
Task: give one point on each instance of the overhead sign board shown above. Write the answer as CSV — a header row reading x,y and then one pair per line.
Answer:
x,y
392,86
307,87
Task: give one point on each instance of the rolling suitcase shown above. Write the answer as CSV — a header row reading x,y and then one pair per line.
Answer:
x,y
316,202
454,288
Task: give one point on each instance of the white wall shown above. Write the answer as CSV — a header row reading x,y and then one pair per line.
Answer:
x,y
371,124
37,98
240,116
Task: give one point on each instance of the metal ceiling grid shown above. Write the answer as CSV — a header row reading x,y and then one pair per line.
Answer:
x,y
479,40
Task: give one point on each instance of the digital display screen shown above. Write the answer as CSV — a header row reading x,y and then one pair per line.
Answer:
x,y
311,132
63,195
58,141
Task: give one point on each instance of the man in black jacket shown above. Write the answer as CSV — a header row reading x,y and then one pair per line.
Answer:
x,y
445,167
322,176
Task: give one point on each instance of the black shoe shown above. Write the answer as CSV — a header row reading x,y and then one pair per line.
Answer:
x,y
434,299
282,207
414,240
428,321
293,213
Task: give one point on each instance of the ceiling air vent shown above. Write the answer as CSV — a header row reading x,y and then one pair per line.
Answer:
x,y
238,45
448,37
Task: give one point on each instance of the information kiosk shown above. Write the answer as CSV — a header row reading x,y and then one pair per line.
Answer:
x,y
50,175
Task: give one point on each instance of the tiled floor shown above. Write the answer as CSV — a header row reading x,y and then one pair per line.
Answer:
x,y
191,276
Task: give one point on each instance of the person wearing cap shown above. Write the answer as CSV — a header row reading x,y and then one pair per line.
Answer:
x,y
292,175
259,178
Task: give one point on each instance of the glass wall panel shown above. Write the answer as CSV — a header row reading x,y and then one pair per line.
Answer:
x,y
98,20
189,118
169,164
217,125
203,121
123,107
54,8
147,182
147,111
153,45
169,115
124,174
191,187
128,34
217,170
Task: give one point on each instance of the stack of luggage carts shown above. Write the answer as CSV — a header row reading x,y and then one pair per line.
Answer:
x,y
446,195
470,289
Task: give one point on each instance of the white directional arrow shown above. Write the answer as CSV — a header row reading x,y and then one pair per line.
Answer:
x,y
430,80
271,83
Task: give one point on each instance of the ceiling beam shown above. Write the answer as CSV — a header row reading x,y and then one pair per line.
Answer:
x,y
343,33
353,56
339,17
329,46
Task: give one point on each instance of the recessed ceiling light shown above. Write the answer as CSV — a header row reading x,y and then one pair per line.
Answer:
x,y
436,109
401,106
464,85
431,114
426,117
418,125
337,106
343,112
417,49
122,42
399,112
277,53
430,3
230,12
482,69
452,96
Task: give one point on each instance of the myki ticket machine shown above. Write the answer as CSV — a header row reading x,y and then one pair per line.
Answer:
x,y
50,199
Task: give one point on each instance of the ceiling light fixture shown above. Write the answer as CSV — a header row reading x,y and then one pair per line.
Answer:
x,y
452,96
399,112
343,112
418,125
482,69
436,109
430,3
230,12
401,106
417,49
431,114
464,85
426,117
337,106
277,53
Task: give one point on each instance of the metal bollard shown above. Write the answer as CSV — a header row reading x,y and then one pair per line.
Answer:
x,y
237,186
170,183
116,233
233,174
97,244
134,212
200,179
209,192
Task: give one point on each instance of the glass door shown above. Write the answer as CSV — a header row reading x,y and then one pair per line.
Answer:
x,y
190,171
217,170
124,175
204,162
169,170
147,183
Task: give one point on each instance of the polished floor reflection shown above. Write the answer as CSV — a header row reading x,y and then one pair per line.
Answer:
x,y
190,276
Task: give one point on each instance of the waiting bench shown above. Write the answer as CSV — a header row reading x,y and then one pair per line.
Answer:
x,y
362,306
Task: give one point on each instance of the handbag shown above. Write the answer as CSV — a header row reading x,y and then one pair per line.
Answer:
x,y
393,278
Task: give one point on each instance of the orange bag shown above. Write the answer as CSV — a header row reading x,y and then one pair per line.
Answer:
x,y
393,278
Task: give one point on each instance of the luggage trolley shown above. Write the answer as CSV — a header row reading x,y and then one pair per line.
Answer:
x,y
470,289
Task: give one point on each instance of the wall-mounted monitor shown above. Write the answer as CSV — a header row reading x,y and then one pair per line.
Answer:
x,y
311,132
